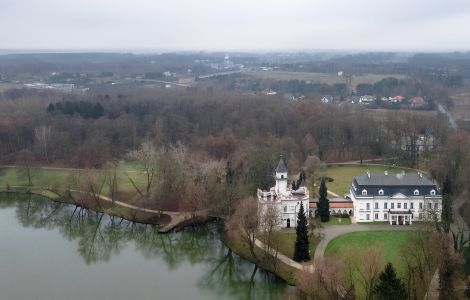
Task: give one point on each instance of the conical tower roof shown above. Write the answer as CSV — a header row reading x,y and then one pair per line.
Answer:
x,y
281,166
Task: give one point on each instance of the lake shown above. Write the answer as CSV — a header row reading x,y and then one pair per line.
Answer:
x,y
51,250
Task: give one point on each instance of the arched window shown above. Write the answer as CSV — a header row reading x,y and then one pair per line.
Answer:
x,y
364,192
381,192
282,176
416,192
433,192
285,208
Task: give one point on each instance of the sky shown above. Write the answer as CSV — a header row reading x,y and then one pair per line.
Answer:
x,y
408,25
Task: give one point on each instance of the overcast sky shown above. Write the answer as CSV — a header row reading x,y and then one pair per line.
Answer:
x,y
235,24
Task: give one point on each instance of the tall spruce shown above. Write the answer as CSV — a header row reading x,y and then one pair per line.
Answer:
x,y
389,286
323,203
301,242
446,216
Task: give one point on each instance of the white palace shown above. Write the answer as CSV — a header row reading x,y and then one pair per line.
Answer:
x,y
399,199
284,202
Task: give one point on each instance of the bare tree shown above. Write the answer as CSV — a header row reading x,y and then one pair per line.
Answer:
x,y
244,221
325,282
195,199
26,166
369,265
43,135
147,157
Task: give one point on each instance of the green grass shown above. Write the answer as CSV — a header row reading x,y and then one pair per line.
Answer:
x,y
390,241
318,77
237,245
355,243
343,175
69,178
287,243
338,221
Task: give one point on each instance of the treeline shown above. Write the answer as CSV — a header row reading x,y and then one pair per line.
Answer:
x,y
84,109
89,130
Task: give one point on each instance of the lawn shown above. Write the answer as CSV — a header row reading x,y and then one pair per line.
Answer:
x,y
317,77
69,178
287,243
338,221
391,242
343,175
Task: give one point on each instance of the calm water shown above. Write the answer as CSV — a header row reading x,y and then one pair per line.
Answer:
x,y
51,251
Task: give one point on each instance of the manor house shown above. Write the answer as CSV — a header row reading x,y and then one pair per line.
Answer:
x,y
399,199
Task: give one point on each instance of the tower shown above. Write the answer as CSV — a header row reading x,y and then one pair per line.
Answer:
x,y
281,177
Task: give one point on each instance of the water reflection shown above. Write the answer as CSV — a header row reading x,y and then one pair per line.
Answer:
x,y
101,237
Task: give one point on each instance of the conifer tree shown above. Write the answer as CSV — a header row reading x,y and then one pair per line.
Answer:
x,y
390,286
446,216
323,203
301,252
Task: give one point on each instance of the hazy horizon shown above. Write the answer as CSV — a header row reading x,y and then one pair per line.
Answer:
x,y
243,26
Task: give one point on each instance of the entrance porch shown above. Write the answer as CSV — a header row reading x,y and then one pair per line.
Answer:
x,y
400,217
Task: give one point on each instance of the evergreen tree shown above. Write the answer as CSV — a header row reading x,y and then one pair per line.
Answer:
x,y
390,286
446,216
323,203
301,242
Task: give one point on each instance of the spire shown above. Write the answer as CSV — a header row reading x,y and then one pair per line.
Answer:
x,y
281,166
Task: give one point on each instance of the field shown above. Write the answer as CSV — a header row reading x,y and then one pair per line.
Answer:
x,y
461,109
343,175
391,243
59,178
318,77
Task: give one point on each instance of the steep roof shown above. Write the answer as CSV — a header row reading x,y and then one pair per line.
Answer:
x,y
281,166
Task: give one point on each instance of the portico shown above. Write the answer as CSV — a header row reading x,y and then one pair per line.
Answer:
x,y
400,217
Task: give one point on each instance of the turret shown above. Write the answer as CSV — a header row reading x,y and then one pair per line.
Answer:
x,y
281,177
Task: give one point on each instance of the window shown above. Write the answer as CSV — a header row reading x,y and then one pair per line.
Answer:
x,y
385,216
285,208
392,205
376,205
385,205
405,205
376,216
367,217
282,176
398,205
421,206
416,192
429,205
411,205
436,205
364,192
420,215
433,192
381,192
368,206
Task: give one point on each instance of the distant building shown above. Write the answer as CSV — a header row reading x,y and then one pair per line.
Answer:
x,y
366,99
399,199
338,206
327,99
283,201
416,143
269,92
418,102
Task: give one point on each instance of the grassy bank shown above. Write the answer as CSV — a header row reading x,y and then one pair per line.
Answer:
x,y
237,245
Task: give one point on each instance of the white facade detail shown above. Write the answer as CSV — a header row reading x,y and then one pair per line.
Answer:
x,y
281,202
399,199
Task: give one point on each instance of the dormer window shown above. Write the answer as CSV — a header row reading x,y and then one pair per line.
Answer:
x,y
416,193
381,192
433,192
364,192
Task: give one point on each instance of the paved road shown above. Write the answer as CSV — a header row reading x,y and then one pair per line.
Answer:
x,y
451,120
